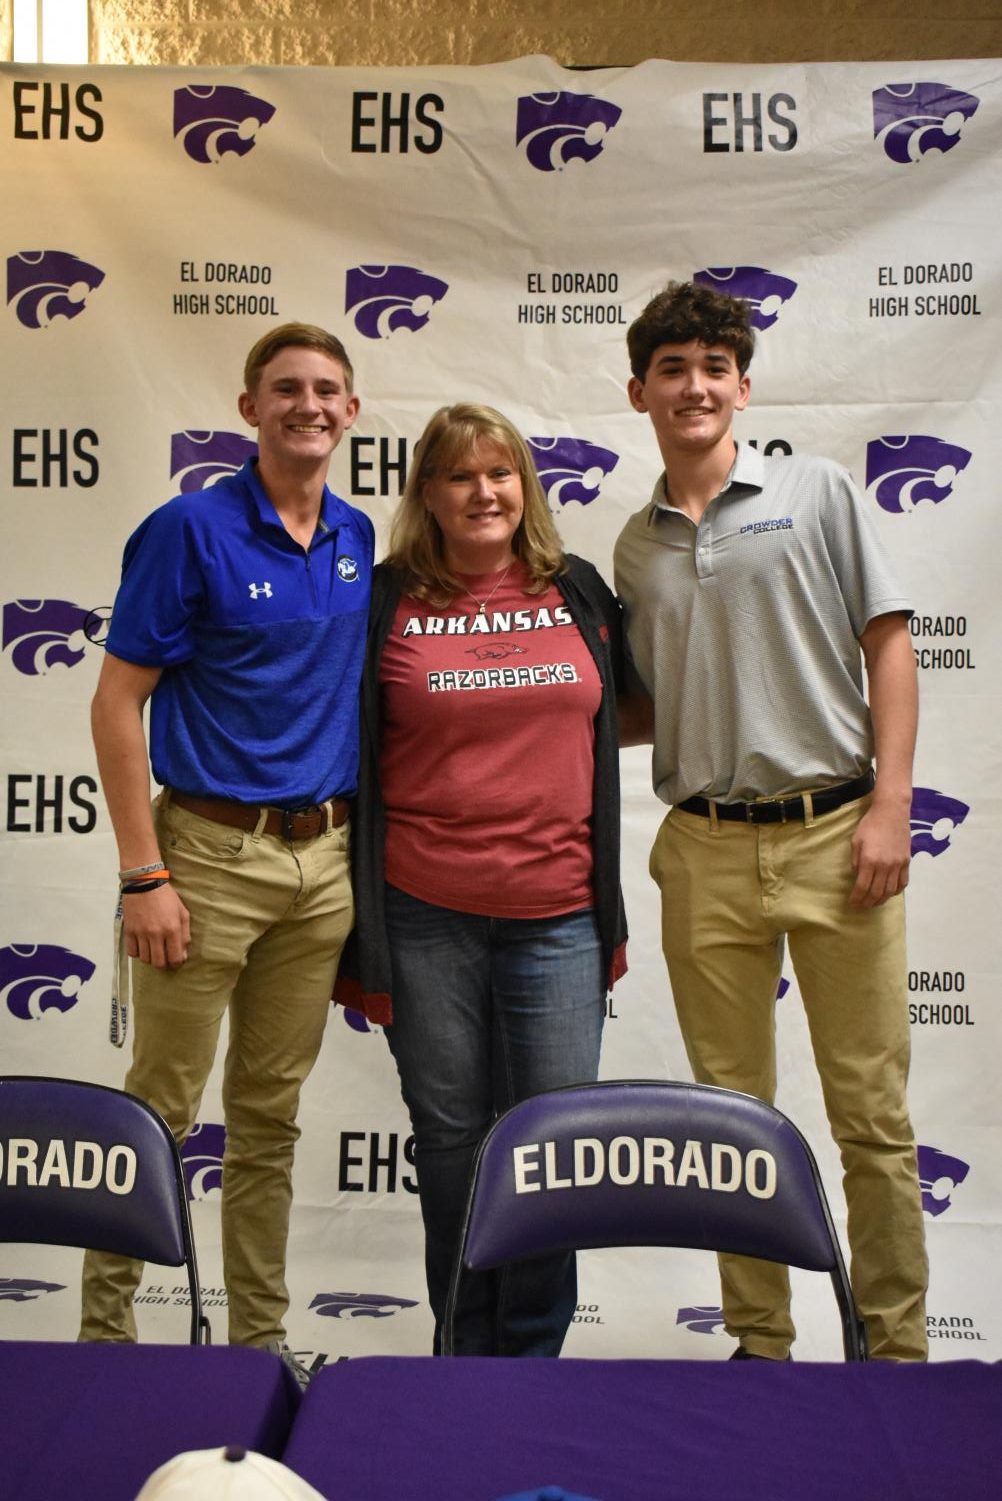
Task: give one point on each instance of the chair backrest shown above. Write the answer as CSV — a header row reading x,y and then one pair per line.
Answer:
x,y
83,1165
653,1163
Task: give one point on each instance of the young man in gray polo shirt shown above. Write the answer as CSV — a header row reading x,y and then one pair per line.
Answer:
x,y
755,590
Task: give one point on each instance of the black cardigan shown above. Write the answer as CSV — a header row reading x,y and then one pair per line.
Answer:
x,y
364,977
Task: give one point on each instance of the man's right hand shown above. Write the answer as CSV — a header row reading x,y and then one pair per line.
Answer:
x,y
157,927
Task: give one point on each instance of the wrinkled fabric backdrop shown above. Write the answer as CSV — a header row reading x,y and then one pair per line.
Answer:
x,y
488,233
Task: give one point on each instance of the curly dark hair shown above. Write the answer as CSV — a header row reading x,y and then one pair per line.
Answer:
x,y
684,311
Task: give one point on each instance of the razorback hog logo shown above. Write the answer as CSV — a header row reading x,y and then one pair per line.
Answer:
x,y
495,651
40,977
765,292
571,468
939,1174
44,633
48,284
913,120
359,1305
555,129
202,1159
701,1318
199,459
213,121
26,1289
387,298
902,471
934,817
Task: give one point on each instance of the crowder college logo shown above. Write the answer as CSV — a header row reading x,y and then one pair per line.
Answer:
x,y
202,1159
40,977
358,1305
764,291
914,119
939,1174
199,459
386,298
26,1289
571,468
47,284
44,633
547,1493
902,471
934,817
216,121
554,129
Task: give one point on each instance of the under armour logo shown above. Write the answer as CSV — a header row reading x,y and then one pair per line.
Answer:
x,y
258,589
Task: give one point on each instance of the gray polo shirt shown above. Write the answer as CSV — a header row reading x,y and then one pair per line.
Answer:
x,y
744,629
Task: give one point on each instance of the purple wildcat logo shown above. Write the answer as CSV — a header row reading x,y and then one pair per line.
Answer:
x,y
559,128
40,977
44,633
47,284
901,471
26,1289
199,459
571,468
358,1305
701,1318
385,298
764,291
214,121
934,817
202,1159
782,988
915,119
939,1174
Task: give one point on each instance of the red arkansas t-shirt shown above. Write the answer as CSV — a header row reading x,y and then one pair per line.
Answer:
x,y
488,751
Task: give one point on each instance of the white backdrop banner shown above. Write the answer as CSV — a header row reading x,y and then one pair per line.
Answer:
x,y
488,234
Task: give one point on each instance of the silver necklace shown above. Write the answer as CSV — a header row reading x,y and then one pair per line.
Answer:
x,y
482,604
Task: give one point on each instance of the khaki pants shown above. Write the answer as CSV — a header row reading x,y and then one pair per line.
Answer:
x,y
268,921
729,894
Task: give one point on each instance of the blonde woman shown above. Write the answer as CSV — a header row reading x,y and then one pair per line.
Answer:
x,y
490,922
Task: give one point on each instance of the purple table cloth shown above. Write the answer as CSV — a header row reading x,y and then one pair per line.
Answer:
x,y
90,1422
417,1429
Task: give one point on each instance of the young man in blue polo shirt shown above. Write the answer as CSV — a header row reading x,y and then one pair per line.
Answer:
x,y
755,589
241,615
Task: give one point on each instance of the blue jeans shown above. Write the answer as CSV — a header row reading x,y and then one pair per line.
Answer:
x,y
488,1011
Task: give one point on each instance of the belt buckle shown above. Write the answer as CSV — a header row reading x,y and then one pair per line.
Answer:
x,y
771,802
288,814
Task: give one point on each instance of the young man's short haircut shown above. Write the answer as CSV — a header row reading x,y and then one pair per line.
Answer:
x,y
295,336
684,311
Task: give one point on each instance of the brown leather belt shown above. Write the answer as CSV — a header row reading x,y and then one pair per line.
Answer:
x,y
294,823
782,810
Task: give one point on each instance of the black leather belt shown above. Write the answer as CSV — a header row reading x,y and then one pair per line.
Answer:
x,y
783,809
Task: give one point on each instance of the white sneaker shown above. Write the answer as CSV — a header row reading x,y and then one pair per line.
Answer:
x,y
301,1373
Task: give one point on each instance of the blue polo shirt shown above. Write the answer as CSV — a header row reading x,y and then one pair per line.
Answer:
x,y
260,641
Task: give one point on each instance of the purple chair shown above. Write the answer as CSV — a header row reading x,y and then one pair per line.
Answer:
x,y
82,1165
650,1163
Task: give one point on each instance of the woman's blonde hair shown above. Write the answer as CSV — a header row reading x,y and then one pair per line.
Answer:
x,y
416,544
